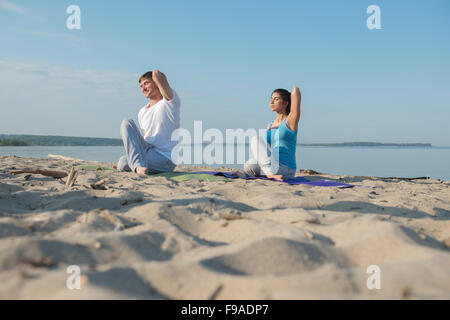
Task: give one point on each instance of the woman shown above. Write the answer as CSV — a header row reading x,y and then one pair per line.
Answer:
x,y
276,158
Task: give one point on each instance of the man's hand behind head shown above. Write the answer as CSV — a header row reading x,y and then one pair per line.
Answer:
x,y
158,76
161,81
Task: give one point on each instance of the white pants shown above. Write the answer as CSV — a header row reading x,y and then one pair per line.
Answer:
x,y
263,162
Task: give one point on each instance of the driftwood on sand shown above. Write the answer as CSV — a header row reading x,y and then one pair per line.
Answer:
x,y
99,185
72,178
398,178
48,173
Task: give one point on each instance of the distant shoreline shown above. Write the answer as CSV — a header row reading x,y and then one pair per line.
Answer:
x,y
366,144
35,140
57,141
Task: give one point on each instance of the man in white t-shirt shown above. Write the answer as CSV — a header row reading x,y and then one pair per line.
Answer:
x,y
149,150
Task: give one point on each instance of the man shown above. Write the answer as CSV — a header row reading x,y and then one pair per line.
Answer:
x,y
150,152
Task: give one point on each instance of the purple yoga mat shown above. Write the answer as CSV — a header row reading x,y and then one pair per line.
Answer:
x,y
296,180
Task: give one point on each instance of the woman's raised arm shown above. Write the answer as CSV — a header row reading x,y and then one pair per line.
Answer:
x,y
294,115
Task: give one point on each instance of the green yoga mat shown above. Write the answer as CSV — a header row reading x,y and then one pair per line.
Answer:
x,y
177,176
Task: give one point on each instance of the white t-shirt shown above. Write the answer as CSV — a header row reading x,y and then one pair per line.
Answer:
x,y
159,122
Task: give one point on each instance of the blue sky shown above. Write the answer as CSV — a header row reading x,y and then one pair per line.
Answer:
x,y
224,59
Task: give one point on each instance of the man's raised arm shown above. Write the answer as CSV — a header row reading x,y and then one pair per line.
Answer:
x,y
161,81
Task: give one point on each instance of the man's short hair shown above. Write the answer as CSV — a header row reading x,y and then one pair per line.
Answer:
x,y
147,75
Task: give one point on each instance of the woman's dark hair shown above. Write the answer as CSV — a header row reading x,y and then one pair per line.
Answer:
x,y
286,96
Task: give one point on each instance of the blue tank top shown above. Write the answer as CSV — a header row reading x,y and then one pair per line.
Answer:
x,y
284,143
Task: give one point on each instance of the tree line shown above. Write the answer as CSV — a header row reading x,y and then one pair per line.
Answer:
x,y
32,140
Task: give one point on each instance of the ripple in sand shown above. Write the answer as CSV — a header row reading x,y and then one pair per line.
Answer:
x,y
270,256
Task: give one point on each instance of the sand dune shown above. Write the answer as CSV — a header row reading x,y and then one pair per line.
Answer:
x,y
148,237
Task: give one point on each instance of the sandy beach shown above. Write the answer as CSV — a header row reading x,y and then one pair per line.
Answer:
x,y
147,237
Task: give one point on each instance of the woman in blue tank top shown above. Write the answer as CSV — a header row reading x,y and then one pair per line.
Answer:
x,y
275,155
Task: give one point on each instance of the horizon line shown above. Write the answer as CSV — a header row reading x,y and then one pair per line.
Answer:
x,y
304,143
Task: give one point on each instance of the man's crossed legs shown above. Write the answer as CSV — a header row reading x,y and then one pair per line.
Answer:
x,y
140,157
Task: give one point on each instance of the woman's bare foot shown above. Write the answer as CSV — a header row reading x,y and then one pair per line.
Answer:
x,y
141,170
278,177
114,166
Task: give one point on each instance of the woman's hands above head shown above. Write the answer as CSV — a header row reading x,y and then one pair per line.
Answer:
x,y
294,115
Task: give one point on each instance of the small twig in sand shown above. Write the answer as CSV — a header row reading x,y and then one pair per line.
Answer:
x,y
230,216
45,262
47,173
216,292
72,178
99,185
392,178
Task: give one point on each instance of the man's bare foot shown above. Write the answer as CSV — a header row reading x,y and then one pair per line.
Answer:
x,y
141,170
114,166
278,177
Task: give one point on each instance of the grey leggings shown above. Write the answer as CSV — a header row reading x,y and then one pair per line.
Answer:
x,y
139,152
262,164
